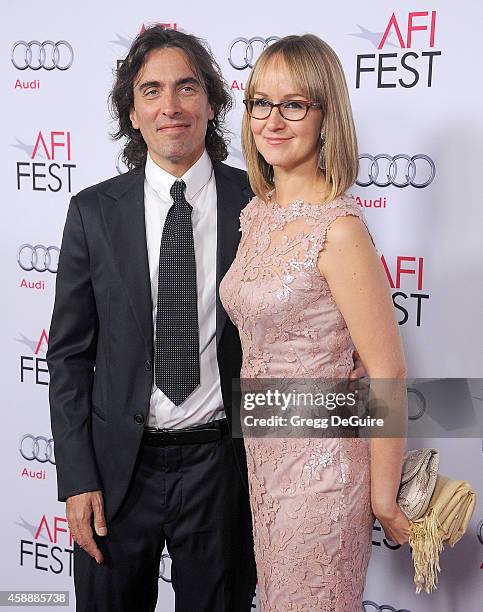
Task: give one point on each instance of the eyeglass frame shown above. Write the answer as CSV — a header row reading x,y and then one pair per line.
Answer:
x,y
308,106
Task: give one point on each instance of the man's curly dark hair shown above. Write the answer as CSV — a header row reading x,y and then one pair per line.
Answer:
x,y
203,65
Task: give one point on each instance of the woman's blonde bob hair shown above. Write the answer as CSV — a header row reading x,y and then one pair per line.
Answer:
x,y
317,73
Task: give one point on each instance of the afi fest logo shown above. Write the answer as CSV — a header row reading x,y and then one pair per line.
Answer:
x,y
49,547
126,43
34,368
409,302
407,53
49,167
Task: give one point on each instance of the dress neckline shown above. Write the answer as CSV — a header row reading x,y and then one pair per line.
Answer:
x,y
271,203
299,207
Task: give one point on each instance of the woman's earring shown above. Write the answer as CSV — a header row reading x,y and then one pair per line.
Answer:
x,y
322,152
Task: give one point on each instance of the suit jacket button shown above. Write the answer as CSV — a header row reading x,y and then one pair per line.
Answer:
x,y
139,418
147,365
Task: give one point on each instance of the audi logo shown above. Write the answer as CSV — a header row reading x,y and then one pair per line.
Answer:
x,y
399,170
243,52
120,165
416,404
371,606
37,448
47,55
164,574
479,532
38,257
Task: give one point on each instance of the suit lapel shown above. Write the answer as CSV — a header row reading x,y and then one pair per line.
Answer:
x,y
123,210
232,197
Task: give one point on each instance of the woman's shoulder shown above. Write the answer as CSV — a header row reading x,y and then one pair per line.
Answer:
x,y
343,207
345,204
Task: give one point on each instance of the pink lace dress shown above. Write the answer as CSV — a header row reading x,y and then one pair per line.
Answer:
x,y
310,497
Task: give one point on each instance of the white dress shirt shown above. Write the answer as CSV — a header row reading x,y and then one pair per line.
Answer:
x,y
205,403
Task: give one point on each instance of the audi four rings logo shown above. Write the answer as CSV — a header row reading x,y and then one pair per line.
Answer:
x,y
399,170
243,52
47,55
416,404
479,532
38,257
37,448
371,606
164,574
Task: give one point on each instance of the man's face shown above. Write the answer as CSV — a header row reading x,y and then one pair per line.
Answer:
x,y
171,110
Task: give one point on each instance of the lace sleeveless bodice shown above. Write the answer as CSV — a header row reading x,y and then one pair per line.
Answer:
x,y
288,321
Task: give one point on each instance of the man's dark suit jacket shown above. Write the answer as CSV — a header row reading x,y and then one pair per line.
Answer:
x,y
100,354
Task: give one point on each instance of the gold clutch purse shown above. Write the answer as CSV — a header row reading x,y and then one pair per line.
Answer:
x,y
438,508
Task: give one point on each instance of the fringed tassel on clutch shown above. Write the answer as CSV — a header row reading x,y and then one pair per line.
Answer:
x,y
426,543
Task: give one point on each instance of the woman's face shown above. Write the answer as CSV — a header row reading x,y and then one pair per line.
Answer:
x,y
285,144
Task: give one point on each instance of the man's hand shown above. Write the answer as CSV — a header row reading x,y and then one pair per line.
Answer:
x,y
79,510
359,370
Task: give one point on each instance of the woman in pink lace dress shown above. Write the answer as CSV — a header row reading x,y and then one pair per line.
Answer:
x,y
306,287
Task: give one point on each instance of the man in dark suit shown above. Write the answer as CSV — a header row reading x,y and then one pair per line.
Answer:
x,y
142,355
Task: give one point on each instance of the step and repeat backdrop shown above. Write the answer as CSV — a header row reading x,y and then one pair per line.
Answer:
x,y
414,76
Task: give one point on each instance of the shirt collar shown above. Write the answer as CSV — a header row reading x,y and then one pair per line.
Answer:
x,y
195,177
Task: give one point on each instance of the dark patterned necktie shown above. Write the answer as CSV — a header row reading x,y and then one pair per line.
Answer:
x,y
177,353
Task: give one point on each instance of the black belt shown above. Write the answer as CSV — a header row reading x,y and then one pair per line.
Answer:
x,y
209,432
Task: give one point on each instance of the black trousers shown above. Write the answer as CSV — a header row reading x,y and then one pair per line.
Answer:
x,y
192,498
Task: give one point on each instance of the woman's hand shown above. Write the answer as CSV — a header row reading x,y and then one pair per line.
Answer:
x,y
394,523
359,371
